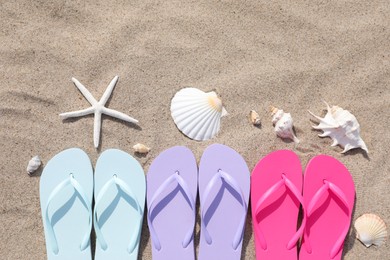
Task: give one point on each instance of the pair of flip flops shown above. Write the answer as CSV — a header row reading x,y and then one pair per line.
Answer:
x,y
223,183
66,188
276,197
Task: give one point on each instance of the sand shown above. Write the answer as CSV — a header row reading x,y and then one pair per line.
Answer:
x,y
290,54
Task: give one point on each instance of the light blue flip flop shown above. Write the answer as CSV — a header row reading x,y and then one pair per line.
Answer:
x,y
119,192
66,187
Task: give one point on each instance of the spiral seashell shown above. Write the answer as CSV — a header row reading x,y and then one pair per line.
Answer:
x,y
254,118
283,123
33,164
141,148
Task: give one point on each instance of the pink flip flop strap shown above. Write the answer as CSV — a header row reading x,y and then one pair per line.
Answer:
x,y
343,198
288,184
227,178
187,193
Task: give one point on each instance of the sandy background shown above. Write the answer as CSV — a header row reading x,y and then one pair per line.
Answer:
x,y
290,54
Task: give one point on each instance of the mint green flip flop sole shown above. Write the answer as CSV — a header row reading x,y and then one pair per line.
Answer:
x,y
119,193
66,187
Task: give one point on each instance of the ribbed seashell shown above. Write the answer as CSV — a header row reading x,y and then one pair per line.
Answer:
x,y
343,127
33,164
141,148
283,123
254,118
370,230
197,114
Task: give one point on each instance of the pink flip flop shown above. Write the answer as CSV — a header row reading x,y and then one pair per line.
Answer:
x,y
224,185
171,200
276,186
329,197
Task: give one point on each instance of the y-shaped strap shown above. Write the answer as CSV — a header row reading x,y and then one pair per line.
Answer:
x,y
283,182
225,177
188,194
120,184
77,188
317,196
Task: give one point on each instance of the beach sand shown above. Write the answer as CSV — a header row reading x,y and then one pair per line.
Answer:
x,y
289,54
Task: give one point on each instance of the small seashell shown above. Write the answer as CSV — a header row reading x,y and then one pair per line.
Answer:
x,y
370,230
343,127
283,124
197,114
33,164
254,118
141,148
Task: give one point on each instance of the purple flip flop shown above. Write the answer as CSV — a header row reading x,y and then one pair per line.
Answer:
x,y
171,201
224,184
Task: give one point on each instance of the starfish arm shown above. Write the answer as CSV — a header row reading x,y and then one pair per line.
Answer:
x,y
84,91
119,115
96,129
108,91
77,113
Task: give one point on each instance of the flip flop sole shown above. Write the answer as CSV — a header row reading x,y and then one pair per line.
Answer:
x,y
67,214
329,216
118,217
171,214
222,204
277,217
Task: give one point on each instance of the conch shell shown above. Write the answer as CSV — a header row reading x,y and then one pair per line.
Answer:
x,y
343,127
33,164
141,148
283,123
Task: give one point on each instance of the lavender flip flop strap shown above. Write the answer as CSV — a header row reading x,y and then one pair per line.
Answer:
x,y
120,184
343,198
80,191
228,179
283,182
187,193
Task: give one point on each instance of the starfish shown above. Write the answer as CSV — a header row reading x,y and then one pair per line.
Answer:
x,y
98,108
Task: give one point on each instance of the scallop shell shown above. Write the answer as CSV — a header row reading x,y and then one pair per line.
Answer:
x,y
33,164
370,230
283,123
197,114
141,148
254,118
343,127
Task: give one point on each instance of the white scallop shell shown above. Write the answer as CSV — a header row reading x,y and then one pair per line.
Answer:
x,y
283,123
254,118
196,113
370,230
33,164
343,127
141,148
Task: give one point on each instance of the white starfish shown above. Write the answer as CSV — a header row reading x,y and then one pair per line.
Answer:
x,y
98,108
